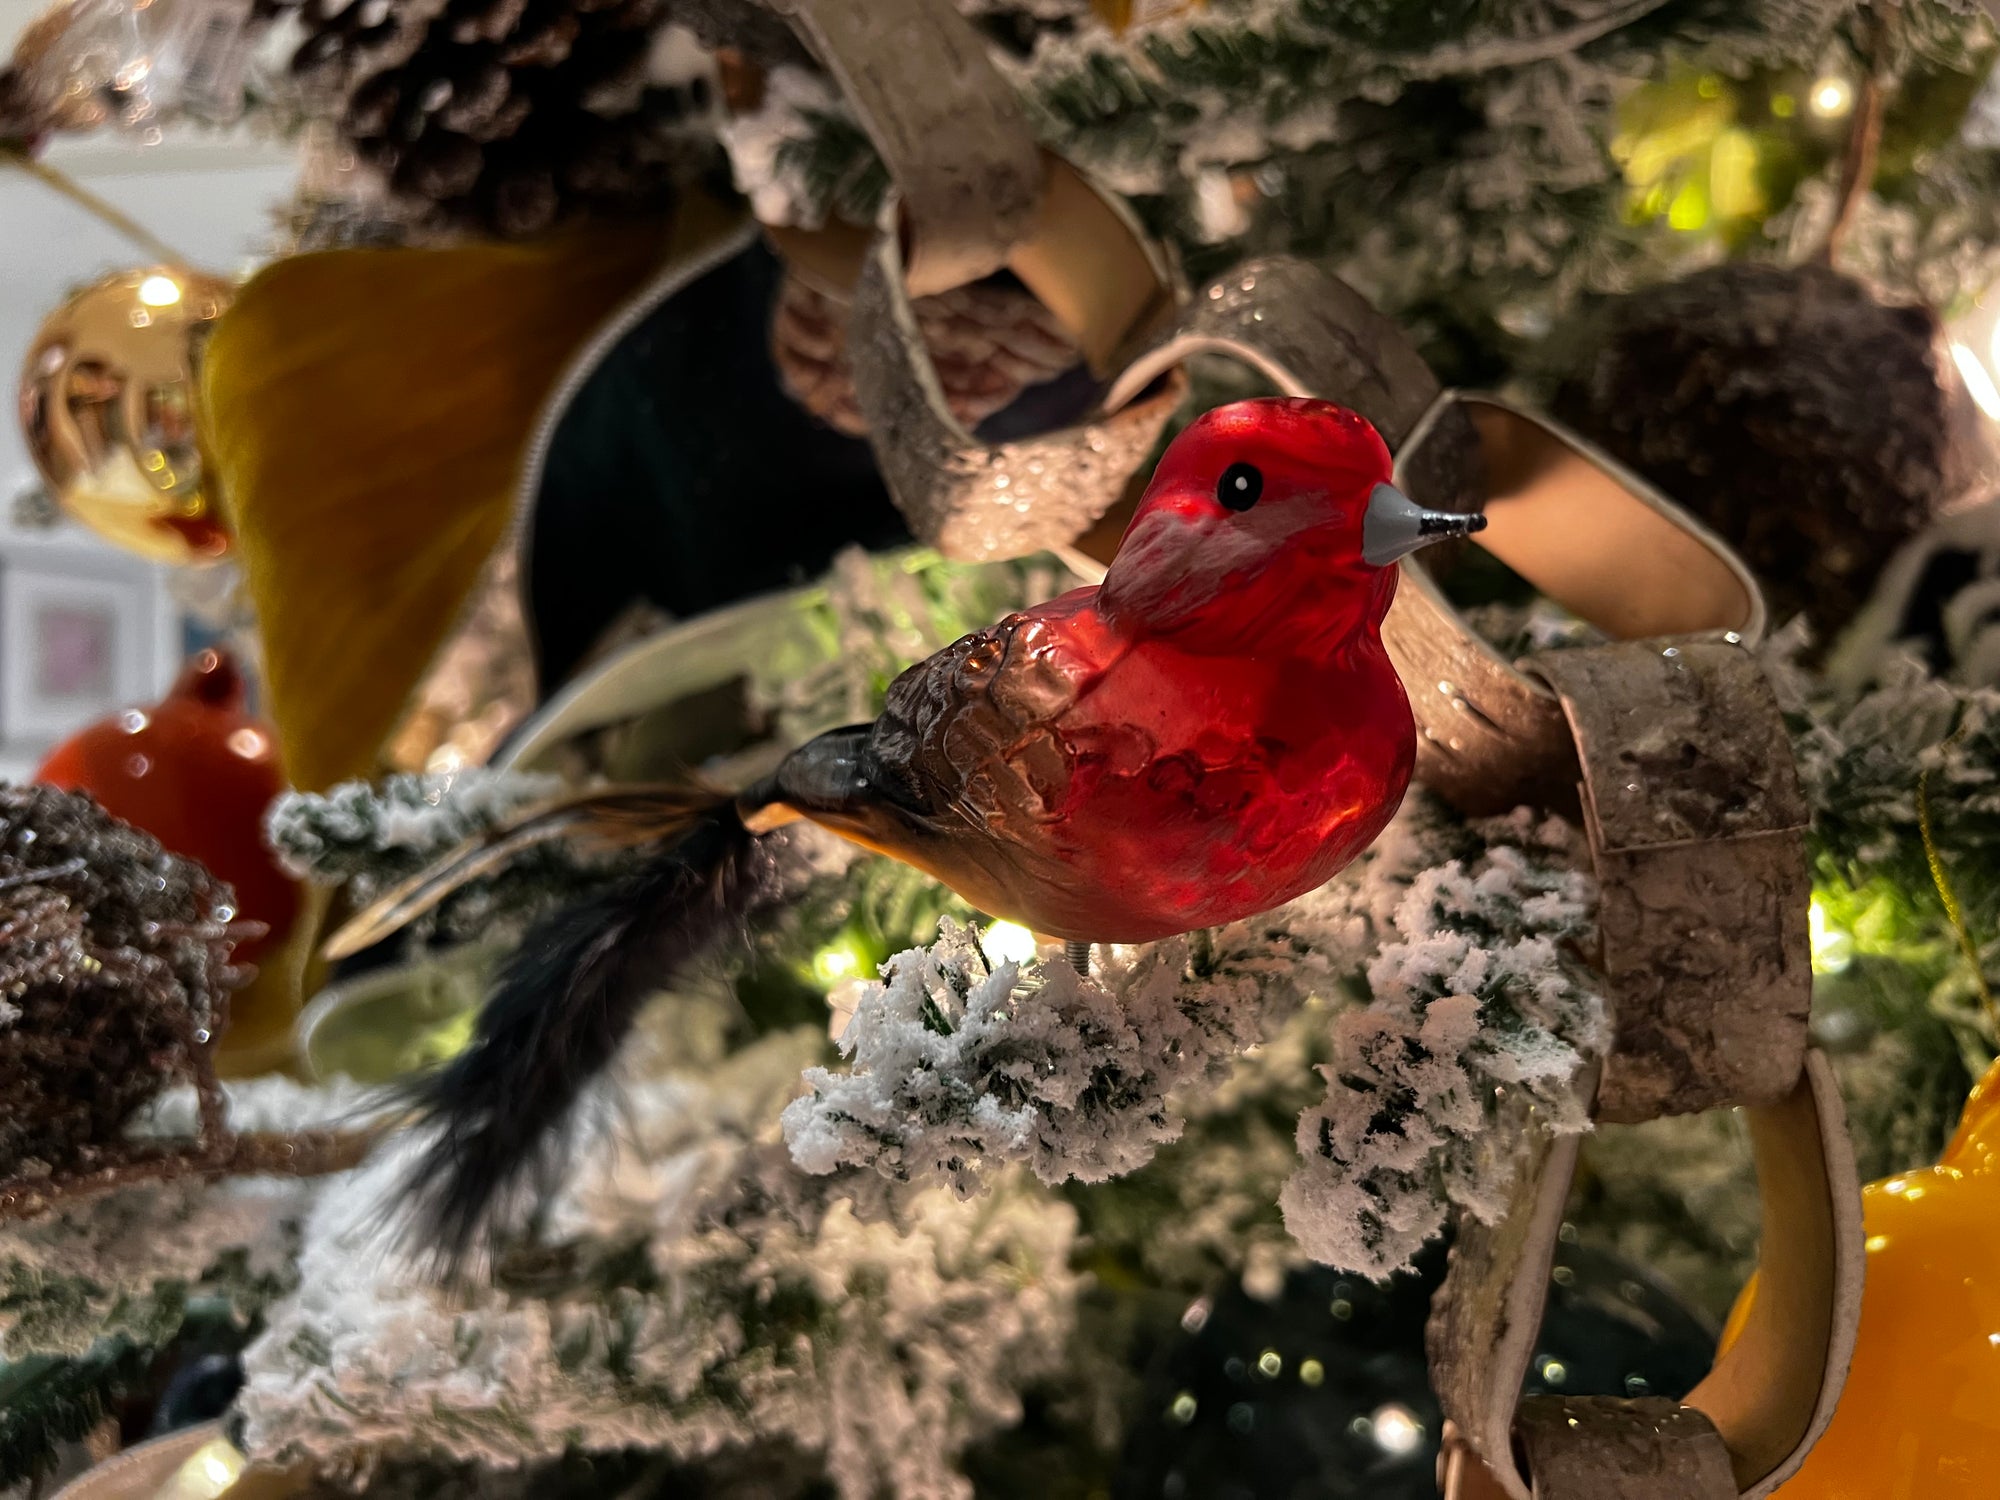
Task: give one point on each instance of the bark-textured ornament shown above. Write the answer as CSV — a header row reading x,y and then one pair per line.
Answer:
x,y
114,981
1810,422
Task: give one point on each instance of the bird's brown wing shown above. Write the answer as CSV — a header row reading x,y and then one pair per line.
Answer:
x,y
972,735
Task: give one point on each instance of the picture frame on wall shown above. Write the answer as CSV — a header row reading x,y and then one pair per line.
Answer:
x,y
84,632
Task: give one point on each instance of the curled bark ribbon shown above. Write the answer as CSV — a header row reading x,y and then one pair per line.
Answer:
x,y
972,194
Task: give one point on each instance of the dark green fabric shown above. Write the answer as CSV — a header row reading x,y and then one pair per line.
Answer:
x,y
683,474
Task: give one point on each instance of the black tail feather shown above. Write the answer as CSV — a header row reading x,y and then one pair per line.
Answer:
x,y
556,1018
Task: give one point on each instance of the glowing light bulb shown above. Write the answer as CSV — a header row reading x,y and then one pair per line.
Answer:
x,y
837,961
1832,949
210,1473
1832,97
159,291
1396,1430
1008,943
1977,380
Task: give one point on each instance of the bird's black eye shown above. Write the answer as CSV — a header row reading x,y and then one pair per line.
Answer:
x,y
1239,487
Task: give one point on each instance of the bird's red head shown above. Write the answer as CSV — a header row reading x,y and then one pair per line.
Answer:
x,y
1269,524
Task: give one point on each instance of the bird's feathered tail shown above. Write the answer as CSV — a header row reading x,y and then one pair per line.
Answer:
x,y
562,1006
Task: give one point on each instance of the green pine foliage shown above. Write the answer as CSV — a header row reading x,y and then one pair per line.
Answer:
x,y
46,1402
1460,160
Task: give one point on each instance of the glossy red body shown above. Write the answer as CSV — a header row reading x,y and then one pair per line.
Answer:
x,y
198,773
1203,789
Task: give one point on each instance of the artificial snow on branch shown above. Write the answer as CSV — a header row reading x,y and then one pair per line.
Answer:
x,y
687,1297
1476,1001
379,832
373,835
128,1263
961,1066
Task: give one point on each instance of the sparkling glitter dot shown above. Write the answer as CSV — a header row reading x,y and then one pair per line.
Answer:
x,y
1269,1364
1311,1372
1342,1309
1242,1418
1183,1409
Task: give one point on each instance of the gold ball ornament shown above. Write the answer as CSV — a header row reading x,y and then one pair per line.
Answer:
x,y
108,396
1919,1418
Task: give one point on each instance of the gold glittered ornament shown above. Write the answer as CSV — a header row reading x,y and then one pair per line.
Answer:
x,y
108,398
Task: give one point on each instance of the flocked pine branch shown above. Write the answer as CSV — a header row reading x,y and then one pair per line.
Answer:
x,y
691,1298
1477,998
373,835
960,1067
1451,161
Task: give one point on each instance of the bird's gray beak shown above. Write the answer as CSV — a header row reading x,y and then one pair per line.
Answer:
x,y
1396,526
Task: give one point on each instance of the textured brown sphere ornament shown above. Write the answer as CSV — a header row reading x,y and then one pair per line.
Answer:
x,y
114,981
988,342
1815,425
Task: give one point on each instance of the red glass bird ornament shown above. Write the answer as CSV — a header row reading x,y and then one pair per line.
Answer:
x,y
1214,729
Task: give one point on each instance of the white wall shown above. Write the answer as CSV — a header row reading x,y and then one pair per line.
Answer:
x,y
212,198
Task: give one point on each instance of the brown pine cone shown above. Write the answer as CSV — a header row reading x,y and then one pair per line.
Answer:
x,y
114,980
504,116
1812,424
989,342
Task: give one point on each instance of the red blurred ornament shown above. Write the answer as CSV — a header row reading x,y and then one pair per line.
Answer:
x,y
197,773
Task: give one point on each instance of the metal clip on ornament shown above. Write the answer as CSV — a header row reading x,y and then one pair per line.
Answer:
x,y
1669,745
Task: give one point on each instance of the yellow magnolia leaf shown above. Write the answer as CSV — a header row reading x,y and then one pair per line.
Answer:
x,y
367,413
